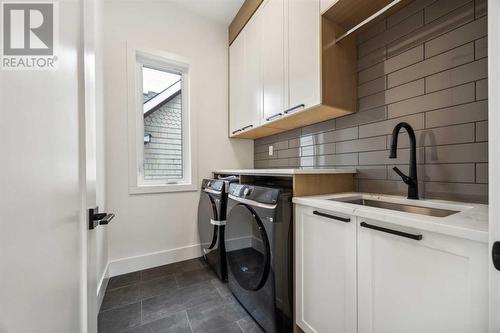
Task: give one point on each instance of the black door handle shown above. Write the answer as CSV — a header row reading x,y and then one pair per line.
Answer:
x,y
96,218
338,218
107,219
495,255
391,231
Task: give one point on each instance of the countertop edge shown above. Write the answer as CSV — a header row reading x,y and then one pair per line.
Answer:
x,y
286,172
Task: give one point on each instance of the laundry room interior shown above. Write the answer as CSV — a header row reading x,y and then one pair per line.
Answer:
x,y
245,166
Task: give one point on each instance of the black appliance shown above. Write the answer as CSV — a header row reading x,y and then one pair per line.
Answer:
x,y
259,253
211,223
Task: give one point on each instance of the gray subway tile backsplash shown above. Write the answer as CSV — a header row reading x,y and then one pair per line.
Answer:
x,y
435,100
459,114
431,75
470,72
440,8
457,37
442,25
450,59
481,46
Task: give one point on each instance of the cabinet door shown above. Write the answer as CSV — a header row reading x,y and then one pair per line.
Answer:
x,y
303,54
252,79
325,271
236,83
436,284
273,58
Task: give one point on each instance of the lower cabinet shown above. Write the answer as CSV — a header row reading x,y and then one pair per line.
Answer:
x,y
325,271
436,284
371,276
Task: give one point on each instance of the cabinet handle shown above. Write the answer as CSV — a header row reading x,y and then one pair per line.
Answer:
x,y
294,108
244,128
390,231
238,130
343,219
274,116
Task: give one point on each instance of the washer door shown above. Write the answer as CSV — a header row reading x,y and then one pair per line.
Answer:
x,y
248,255
207,212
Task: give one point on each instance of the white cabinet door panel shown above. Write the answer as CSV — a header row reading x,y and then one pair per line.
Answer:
x,y
236,84
325,272
273,58
304,53
252,76
435,285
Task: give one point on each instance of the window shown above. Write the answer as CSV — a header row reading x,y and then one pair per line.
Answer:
x,y
161,152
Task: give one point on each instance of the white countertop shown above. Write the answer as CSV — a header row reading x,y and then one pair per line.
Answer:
x,y
470,223
284,172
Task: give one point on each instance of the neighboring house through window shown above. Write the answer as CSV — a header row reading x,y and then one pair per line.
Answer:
x,y
161,158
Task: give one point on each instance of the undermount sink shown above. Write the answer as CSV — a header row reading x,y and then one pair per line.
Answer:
x,y
435,212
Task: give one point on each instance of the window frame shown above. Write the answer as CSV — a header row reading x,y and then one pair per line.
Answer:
x,y
136,59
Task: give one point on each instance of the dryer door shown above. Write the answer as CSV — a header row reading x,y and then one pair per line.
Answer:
x,y
248,251
207,226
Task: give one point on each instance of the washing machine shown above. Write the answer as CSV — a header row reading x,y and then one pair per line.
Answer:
x,y
211,223
259,253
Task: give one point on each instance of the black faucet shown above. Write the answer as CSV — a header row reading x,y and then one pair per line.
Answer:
x,y
411,180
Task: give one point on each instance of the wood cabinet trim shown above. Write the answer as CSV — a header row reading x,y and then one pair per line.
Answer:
x,y
242,17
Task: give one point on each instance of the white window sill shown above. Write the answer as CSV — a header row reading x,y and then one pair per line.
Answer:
x,y
163,188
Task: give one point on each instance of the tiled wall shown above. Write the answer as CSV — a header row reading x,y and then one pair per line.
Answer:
x,y
425,65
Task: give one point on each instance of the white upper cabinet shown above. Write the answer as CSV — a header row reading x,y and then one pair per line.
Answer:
x,y
273,58
304,79
245,78
236,84
325,271
253,73
436,284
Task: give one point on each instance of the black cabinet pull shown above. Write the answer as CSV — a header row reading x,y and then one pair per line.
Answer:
x,y
338,218
244,128
238,130
390,231
293,108
274,116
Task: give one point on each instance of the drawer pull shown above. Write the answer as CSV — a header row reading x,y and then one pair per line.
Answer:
x,y
390,231
295,107
274,116
246,127
237,131
338,218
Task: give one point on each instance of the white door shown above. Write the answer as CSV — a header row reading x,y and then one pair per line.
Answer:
x,y
273,59
494,160
236,84
94,159
436,284
41,250
303,54
325,271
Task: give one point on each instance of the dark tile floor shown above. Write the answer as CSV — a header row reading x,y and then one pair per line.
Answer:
x,y
180,297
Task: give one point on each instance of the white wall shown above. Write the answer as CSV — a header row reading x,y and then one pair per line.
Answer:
x,y
164,224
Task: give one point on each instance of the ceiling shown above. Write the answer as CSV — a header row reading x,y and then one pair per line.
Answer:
x,y
222,11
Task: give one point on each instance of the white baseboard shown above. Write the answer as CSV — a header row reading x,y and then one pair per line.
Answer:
x,y
101,287
153,259
159,258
